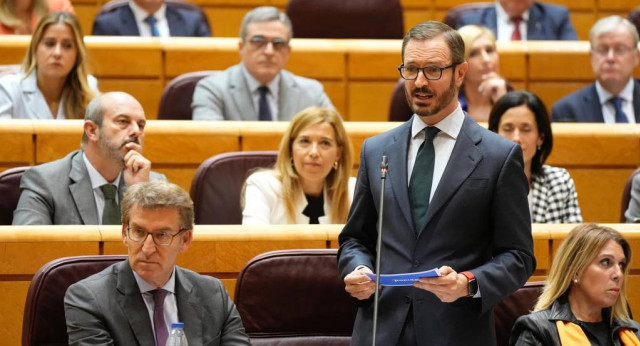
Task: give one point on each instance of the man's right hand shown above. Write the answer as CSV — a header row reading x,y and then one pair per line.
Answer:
x,y
358,285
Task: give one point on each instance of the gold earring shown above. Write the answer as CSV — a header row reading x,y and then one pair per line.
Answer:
x,y
336,164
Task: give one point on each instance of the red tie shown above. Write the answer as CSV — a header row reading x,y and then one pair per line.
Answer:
x,y
516,35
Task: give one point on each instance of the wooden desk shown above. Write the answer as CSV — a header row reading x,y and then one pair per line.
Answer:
x,y
220,251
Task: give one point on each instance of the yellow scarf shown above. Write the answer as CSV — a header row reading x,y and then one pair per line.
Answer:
x,y
571,334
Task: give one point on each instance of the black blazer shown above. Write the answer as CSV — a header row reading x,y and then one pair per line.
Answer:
x,y
182,22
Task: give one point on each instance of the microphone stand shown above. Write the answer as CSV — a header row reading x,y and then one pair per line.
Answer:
x,y
384,168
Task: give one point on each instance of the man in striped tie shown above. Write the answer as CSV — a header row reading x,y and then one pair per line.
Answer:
x,y
615,95
134,302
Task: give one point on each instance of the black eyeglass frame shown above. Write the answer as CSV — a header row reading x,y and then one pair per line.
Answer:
x,y
153,237
425,73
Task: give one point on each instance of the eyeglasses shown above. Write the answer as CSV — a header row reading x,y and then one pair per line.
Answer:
x,y
617,50
260,42
429,72
137,235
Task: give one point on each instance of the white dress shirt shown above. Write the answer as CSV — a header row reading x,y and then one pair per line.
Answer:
x,y
272,96
98,180
143,27
505,25
170,304
443,143
608,111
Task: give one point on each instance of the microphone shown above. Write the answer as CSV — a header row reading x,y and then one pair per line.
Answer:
x,y
384,168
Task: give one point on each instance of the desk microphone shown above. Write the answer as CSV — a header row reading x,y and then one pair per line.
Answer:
x,y
384,168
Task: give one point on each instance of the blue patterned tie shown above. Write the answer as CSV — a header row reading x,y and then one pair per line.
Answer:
x,y
264,112
422,178
621,117
152,24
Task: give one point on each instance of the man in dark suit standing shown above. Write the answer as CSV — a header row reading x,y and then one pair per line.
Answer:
x,y
455,199
152,18
136,301
615,95
515,20
85,187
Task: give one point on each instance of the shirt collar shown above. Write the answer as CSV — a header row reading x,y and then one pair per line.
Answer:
x,y
30,82
145,287
450,125
274,85
501,14
140,14
96,178
604,95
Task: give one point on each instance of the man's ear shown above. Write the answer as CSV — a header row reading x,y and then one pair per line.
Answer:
x,y
91,129
187,236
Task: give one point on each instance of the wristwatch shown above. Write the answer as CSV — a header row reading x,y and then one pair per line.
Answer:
x,y
472,284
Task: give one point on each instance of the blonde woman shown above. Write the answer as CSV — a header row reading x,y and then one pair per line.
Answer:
x,y
310,182
584,301
483,84
19,17
54,82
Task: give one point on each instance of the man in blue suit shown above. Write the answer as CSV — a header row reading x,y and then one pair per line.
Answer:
x,y
152,18
455,199
523,20
615,96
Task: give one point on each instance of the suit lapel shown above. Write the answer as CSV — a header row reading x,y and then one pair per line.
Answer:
x,y
241,95
636,100
132,304
128,20
189,307
289,94
34,102
464,158
490,19
593,109
81,190
397,156
176,24
534,25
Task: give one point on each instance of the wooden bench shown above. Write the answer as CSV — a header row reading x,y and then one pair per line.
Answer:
x,y
220,251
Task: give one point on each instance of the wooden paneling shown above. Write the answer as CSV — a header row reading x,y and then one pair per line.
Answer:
x,y
219,251
369,101
16,143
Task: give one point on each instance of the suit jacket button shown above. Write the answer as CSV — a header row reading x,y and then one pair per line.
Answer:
x,y
416,264
407,300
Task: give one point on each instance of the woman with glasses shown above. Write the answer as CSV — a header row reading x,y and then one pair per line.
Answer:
x,y
54,82
584,301
310,182
521,117
19,17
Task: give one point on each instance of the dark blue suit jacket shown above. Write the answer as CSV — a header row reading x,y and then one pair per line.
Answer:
x,y
478,220
583,106
121,22
546,22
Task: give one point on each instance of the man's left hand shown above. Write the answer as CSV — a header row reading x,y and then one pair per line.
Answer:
x,y
448,287
136,166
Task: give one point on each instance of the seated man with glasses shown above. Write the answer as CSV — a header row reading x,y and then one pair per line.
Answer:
x,y
615,96
134,302
258,88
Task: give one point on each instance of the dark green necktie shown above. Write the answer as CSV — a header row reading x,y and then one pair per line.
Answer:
x,y
422,177
111,212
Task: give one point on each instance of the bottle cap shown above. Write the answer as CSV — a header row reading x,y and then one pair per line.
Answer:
x,y
177,325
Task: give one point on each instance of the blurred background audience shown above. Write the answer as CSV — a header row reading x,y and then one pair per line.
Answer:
x,y
20,17
54,82
521,117
310,182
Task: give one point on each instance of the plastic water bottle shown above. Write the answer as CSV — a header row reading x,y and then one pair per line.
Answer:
x,y
177,336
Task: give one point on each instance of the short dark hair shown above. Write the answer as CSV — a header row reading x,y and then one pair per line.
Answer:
x,y
432,29
530,100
